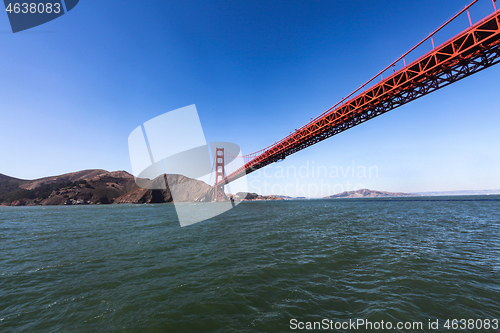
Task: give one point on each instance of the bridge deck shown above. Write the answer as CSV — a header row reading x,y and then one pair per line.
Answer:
x,y
469,52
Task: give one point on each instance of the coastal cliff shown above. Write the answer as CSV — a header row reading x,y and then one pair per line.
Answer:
x,y
97,187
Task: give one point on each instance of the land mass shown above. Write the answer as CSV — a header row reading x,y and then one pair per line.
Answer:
x,y
97,187
243,196
365,193
464,192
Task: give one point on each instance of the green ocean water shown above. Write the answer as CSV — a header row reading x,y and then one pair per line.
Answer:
x,y
131,268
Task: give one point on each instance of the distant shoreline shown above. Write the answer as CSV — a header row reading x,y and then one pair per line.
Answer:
x,y
476,197
99,187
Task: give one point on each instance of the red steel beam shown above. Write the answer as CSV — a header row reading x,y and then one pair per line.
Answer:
x,y
469,52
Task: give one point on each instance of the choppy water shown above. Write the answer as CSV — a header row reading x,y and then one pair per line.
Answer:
x,y
133,269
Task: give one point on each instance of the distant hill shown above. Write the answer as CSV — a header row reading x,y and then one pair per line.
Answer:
x,y
95,187
465,192
365,193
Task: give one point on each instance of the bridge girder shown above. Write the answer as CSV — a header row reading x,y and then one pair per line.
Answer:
x,y
471,51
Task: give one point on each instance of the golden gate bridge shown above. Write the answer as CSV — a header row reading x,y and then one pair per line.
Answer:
x,y
472,50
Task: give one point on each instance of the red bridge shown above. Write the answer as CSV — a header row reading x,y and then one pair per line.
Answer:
x,y
472,50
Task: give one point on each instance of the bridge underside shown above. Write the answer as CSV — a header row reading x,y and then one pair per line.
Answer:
x,y
473,50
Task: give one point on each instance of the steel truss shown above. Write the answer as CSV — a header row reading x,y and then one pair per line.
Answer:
x,y
469,52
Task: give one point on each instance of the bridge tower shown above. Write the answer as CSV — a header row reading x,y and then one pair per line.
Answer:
x,y
219,172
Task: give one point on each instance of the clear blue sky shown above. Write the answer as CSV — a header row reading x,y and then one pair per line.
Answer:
x,y
73,89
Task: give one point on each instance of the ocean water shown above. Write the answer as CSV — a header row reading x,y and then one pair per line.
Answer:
x,y
261,267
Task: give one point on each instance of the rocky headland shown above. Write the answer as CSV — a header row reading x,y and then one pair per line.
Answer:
x,y
97,187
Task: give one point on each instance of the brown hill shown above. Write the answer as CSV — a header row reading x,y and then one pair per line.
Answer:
x,y
68,177
9,184
184,189
95,187
365,193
